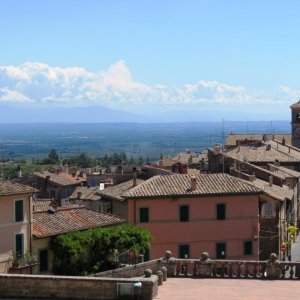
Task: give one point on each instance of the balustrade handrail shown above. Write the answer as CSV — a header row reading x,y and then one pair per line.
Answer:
x,y
213,268
225,268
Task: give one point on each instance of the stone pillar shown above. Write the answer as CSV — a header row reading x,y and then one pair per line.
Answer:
x,y
204,266
160,277
273,269
164,271
169,262
148,273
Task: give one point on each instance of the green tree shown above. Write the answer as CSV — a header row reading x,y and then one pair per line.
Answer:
x,y
93,250
53,156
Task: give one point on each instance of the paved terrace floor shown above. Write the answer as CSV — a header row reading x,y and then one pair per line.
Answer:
x,y
228,289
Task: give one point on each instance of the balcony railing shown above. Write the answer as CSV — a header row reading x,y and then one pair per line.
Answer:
x,y
205,267
233,269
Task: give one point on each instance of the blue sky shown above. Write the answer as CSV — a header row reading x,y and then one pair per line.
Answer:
x,y
152,56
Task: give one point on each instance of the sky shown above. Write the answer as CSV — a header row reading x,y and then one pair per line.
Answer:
x,y
210,58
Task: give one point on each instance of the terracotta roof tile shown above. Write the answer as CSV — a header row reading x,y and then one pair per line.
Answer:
x,y
86,193
62,178
231,139
12,188
275,191
180,184
259,154
70,219
117,191
167,162
288,172
287,149
43,204
295,105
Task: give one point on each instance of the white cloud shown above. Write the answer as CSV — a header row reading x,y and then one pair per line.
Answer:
x,y
11,96
115,87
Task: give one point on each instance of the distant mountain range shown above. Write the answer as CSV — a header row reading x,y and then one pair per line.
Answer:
x,y
97,114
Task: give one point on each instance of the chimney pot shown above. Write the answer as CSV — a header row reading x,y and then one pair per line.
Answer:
x,y
270,180
193,183
134,178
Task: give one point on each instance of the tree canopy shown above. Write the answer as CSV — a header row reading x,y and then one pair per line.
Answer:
x,y
95,250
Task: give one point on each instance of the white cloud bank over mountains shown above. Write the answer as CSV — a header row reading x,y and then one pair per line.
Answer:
x,y
40,84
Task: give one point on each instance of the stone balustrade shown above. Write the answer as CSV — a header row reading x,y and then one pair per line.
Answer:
x,y
204,267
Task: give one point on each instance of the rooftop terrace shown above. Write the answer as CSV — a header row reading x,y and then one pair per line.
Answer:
x,y
231,289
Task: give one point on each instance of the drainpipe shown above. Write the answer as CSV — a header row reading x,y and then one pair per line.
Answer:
x,y
30,228
134,211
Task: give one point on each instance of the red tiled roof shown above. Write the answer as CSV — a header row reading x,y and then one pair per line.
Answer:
x,y
259,154
43,204
12,188
180,185
86,193
117,191
295,105
166,162
61,178
70,219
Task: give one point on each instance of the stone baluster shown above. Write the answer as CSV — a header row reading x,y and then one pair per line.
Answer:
x,y
273,269
247,273
204,265
165,273
148,273
214,269
255,271
160,277
195,268
297,270
292,271
170,263
230,271
238,272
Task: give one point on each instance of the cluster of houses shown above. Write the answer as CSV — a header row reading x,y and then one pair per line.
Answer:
x,y
235,202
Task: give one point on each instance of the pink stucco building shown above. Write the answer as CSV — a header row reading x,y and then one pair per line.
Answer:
x,y
15,222
216,213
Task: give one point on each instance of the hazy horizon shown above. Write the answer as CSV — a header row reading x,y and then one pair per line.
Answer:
x,y
160,60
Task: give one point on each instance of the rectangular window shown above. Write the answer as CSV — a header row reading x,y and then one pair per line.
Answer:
x,y
19,244
184,251
221,211
221,250
144,214
19,211
146,255
248,248
43,259
267,210
184,213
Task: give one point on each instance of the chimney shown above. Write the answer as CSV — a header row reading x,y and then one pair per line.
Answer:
x,y
160,163
79,194
134,176
252,177
218,148
234,165
193,183
270,180
19,172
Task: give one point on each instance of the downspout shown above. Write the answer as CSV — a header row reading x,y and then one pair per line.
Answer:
x,y
30,228
134,211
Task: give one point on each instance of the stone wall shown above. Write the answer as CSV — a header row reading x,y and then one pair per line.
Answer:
x,y
65,287
132,270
